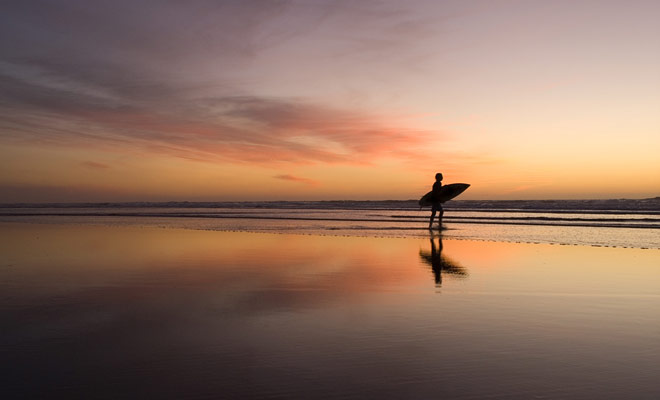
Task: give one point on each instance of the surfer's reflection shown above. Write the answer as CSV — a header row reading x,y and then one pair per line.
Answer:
x,y
439,263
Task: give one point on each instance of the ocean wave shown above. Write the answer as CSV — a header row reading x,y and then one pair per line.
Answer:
x,y
636,221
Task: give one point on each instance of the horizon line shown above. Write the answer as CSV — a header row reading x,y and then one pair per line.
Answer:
x,y
5,204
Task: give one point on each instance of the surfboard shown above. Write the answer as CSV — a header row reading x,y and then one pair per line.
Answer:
x,y
447,192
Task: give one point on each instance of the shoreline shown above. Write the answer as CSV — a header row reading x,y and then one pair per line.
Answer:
x,y
426,233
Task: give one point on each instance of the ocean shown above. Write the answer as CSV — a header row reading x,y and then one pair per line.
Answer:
x,y
606,223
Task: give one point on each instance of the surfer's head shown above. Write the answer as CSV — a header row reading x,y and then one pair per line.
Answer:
x,y
438,176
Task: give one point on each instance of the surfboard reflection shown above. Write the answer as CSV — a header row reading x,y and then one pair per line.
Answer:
x,y
441,264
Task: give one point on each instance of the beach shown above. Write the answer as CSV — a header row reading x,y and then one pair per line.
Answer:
x,y
329,200
102,309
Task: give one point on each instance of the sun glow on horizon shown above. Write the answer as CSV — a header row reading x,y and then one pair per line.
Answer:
x,y
322,102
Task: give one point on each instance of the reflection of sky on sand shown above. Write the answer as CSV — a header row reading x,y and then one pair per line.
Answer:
x,y
157,258
171,313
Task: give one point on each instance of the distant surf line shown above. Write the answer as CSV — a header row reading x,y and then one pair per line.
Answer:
x,y
522,221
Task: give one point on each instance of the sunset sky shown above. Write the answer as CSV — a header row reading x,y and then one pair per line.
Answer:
x,y
321,100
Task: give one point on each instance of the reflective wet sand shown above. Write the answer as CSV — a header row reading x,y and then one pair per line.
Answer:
x,y
116,312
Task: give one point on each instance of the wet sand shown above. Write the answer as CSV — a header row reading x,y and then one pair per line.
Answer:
x,y
129,312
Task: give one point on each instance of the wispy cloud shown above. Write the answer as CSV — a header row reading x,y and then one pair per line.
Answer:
x,y
163,80
526,187
247,129
293,178
94,165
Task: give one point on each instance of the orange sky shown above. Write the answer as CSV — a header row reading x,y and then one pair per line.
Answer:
x,y
328,100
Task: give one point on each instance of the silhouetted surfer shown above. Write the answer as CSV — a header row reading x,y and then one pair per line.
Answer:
x,y
436,205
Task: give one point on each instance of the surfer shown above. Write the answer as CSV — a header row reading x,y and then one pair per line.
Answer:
x,y
436,205
440,194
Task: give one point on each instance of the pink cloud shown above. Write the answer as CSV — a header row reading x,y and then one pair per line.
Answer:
x,y
237,129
